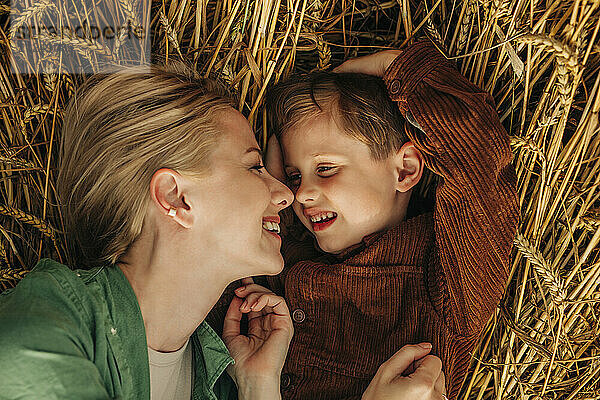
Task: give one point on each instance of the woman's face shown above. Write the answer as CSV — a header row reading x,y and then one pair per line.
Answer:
x,y
239,204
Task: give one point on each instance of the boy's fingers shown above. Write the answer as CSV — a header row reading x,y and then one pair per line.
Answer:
x,y
401,360
355,65
231,325
429,370
373,64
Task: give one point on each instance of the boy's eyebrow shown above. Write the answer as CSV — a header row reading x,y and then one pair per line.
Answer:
x,y
336,155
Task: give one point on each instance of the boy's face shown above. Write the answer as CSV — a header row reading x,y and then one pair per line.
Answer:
x,y
341,193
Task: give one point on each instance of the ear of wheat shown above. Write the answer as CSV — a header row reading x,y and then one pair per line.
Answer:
x,y
539,61
28,219
36,9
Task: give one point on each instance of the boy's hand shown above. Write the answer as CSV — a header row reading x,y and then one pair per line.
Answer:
x,y
274,159
373,64
259,357
410,374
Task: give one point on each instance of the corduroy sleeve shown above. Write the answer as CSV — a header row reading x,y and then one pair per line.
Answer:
x,y
476,212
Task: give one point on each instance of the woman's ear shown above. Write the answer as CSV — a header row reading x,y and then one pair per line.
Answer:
x,y
167,189
409,167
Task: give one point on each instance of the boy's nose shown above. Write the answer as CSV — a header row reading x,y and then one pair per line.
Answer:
x,y
306,192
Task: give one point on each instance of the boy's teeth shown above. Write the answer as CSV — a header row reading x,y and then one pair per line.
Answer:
x,y
320,217
271,226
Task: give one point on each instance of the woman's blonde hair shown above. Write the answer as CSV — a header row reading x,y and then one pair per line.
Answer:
x,y
118,131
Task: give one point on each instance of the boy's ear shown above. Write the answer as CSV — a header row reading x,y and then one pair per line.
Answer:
x,y
409,167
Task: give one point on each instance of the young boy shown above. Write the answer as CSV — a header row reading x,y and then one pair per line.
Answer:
x,y
380,277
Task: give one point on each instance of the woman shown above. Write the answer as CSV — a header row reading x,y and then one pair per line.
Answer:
x,y
166,203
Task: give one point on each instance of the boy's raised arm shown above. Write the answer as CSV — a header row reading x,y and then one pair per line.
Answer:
x,y
476,212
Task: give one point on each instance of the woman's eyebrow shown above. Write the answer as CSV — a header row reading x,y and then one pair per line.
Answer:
x,y
251,149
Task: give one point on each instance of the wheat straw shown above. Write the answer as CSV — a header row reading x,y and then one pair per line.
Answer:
x,y
539,61
29,219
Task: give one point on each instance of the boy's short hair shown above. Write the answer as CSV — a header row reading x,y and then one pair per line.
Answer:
x,y
358,103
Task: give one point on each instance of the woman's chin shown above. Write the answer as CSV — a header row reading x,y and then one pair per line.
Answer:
x,y
274,267
269,265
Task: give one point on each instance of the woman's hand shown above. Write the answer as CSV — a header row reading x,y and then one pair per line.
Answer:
x,y
259,357
410,374
373,64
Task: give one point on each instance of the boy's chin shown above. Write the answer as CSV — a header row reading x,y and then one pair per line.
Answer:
x,y
332,248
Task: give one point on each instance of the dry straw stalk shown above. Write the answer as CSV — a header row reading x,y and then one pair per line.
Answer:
x,y
539,60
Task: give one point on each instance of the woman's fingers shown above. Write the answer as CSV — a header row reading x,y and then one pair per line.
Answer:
x,y
272,301
273,315
440,384
262,307
429,370
401,360
250,293
231,325
245,290
247,281
392,382
249,303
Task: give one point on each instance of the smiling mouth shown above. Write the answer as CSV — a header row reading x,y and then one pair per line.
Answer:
x,y
322,221
271,226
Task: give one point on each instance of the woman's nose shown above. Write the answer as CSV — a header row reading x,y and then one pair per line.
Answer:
x,y
281,195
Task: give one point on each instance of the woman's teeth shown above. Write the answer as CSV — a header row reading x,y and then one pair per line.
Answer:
x,y
323,216
271,226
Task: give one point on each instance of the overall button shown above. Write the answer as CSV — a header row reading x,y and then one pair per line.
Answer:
x,y
298,316
286,381
395,86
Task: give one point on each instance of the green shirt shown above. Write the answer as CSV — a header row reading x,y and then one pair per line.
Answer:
x,y
80,335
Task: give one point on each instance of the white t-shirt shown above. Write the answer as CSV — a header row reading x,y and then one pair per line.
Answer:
x,y
171,374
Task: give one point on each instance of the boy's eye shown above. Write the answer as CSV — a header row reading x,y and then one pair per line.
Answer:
x,y
326,171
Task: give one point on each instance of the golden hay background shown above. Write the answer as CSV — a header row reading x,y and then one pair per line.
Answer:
x,y
540,61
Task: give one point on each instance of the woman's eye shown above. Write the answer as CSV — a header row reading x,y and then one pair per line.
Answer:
x,y
258,167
